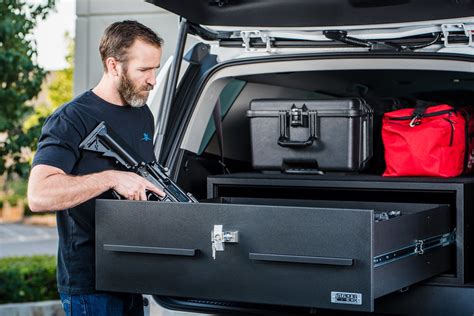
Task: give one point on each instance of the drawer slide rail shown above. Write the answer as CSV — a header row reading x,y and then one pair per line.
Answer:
x,y
417,248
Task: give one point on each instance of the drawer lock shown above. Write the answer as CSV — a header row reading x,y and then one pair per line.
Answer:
x,y
220,237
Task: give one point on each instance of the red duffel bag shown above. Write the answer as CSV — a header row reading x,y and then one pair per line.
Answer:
x,y
427,141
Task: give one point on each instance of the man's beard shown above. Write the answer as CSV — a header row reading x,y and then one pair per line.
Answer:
x,y
132,94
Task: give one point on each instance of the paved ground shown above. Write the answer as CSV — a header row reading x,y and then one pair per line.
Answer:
x,y
27,240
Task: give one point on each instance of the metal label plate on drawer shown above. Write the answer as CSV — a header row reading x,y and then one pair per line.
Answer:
x,y
346,298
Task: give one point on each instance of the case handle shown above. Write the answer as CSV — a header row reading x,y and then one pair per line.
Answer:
x,y
296,117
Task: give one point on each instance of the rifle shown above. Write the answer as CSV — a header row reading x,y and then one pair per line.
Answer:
x,y
103,140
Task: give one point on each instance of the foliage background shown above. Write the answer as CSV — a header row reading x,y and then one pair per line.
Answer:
x,y
21,79
28,279
33,278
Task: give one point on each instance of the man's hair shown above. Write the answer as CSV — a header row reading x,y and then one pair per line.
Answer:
x,y
120,36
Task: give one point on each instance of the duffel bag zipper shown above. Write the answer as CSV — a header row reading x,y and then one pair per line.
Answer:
x,y
467,144
416,120
419,116
451,139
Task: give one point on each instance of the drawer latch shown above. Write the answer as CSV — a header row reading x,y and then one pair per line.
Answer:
x,y
220,237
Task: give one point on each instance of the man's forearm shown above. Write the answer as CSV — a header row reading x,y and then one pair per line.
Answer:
x,y
62,191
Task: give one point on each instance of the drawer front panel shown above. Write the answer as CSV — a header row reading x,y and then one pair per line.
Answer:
x,y
165,249
316,254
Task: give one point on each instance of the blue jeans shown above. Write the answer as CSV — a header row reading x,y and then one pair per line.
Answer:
x,y
102,304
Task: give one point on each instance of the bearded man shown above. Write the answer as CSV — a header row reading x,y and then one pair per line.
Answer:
x,y
67,180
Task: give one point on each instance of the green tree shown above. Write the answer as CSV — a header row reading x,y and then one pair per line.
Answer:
x,y
59,91
20,79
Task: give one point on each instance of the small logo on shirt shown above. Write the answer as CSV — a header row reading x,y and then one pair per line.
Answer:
x,y
146,137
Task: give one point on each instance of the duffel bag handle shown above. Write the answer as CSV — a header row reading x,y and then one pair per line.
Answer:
x,y
418,112
283,140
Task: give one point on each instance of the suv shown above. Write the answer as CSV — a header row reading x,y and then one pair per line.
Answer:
x,y
276,242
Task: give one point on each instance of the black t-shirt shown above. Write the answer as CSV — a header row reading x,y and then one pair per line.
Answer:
x,y
58,146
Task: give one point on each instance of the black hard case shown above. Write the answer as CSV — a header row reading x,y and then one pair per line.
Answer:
x,y
329,135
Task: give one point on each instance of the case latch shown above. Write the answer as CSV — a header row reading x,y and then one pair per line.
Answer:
x,y
219,238
296,116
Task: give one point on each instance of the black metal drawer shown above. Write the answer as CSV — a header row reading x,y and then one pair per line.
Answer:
x,y
325,254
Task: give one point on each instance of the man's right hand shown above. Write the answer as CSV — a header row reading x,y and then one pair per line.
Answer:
x,y
130,185
51,189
